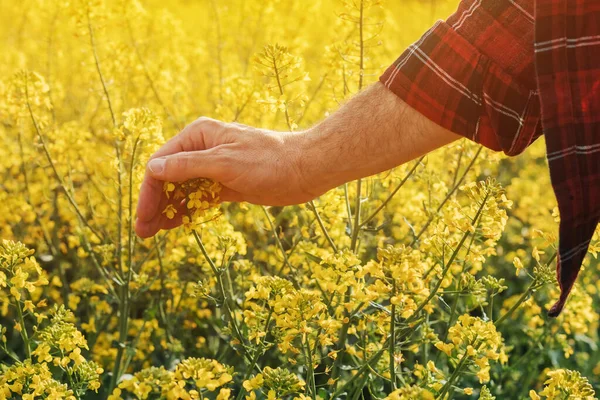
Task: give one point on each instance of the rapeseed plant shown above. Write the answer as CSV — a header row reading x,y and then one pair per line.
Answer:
x,y
429,281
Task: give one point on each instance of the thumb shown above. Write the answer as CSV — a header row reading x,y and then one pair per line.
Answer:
x,y
185,165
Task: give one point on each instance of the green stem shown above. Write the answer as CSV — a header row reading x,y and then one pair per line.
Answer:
x,y
323,228
254,359
123,322
150,80
370,362
450,321
135,341
280,86
9,354
23,332
454,375
161,293
38,217
451,260
335,370
359,388
356,225
119,249
515,306
348,209
534,285
124,293
130,234
101,270
367,366
311,370
392,194
226,300
93,44
247,375
392,348
53,166
70,379
455,177
312,98
279,244
356,228
450,193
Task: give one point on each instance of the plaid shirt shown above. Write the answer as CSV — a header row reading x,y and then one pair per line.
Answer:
x,y
501,73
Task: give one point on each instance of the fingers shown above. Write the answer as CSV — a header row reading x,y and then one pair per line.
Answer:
x,y
199,135
191,138
202,134
151,199
151,228
189,165
145,229
230,195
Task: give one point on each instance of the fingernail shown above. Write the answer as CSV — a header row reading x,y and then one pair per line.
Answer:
x,y
157,166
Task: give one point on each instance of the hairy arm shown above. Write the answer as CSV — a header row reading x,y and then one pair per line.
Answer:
x,y
373,132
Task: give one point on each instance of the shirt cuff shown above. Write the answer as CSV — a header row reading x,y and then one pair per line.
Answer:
x,y
446,79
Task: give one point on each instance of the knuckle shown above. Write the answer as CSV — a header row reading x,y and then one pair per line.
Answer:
x,y
186,140
223,157
204,132
205,122
236,127
218,153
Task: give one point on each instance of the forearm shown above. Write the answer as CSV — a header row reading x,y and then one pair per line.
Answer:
x,y
373,132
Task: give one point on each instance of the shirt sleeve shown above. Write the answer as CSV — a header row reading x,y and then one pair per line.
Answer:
x,y
474,74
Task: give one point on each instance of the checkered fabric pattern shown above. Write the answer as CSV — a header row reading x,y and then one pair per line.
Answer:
x,y
501,73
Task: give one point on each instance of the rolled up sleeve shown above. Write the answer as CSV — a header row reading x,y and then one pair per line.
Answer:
x,y
474,74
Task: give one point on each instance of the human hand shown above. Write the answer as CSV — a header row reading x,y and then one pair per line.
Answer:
x,y
253,165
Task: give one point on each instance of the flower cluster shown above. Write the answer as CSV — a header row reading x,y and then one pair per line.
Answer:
x,y
32,380
192,199
410,393
476,342
191,379
564,384
19,272
402,272
275,383
51,339
280,69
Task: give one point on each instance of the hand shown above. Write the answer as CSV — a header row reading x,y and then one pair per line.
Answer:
x,y
253,165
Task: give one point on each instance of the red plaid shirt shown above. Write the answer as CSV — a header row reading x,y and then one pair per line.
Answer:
x,y
501,73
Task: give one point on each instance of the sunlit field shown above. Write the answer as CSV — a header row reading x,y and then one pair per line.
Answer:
x,y
430,281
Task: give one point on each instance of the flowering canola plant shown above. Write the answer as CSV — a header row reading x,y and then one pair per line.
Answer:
x,y
429,281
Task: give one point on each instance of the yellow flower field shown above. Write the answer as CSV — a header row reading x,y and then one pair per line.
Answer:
x,y
430,281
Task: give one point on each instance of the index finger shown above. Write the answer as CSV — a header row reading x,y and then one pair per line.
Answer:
x,y
191,138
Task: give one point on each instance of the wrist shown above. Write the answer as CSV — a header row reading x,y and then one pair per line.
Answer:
x,y
318,160
356,141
